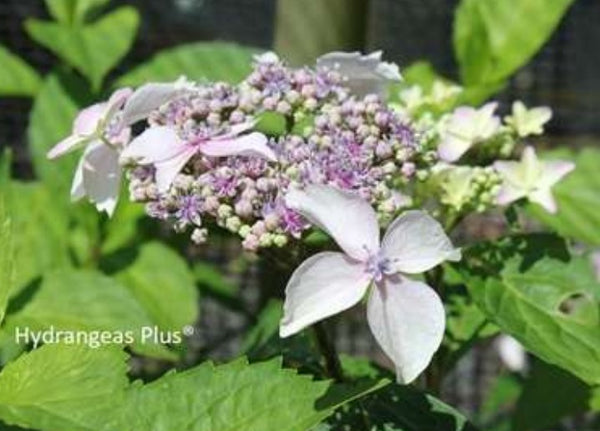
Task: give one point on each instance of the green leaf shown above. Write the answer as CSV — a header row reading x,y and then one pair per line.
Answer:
x,y
541,405
93,49
7,258
78,300
578,199
421,73
63,387
163,284
498,405
213,61
465,325
335,25
122,228
42,231
492,39
399,408
530,287
17,78
237,396
73,11
213,283
394,408
51,120
60,387
259,338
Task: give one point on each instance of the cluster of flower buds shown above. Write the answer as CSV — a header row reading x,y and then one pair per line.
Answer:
x,y
209,154
331,136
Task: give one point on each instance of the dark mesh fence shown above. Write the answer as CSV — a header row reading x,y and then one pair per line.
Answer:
x,y
563,75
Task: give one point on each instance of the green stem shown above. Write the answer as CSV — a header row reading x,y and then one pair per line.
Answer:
x,y
327,349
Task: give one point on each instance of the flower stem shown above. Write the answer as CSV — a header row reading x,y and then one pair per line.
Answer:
x,y
327,349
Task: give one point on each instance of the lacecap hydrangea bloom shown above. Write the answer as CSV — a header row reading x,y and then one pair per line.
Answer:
x,y
206,156
288,150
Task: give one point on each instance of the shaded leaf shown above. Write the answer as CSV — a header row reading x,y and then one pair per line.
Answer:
x,y
17,78
93,49
335,25
213,61
498,405
261,336
393,408
541,406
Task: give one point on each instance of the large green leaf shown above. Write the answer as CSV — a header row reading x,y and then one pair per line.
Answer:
x,y
93,49
77,300
213,61
62,387
42,227
236,396
492,39
72,11
50,121
530,287
578,198
162,282
334,25
17,78
541,405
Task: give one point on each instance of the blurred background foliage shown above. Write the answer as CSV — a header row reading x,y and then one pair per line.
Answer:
x,y
60,55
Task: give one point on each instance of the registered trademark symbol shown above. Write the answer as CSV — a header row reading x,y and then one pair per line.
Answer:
x,y
188,330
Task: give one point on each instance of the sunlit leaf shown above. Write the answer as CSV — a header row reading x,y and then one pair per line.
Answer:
x,y
93,49
61,387
492,39
213,61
